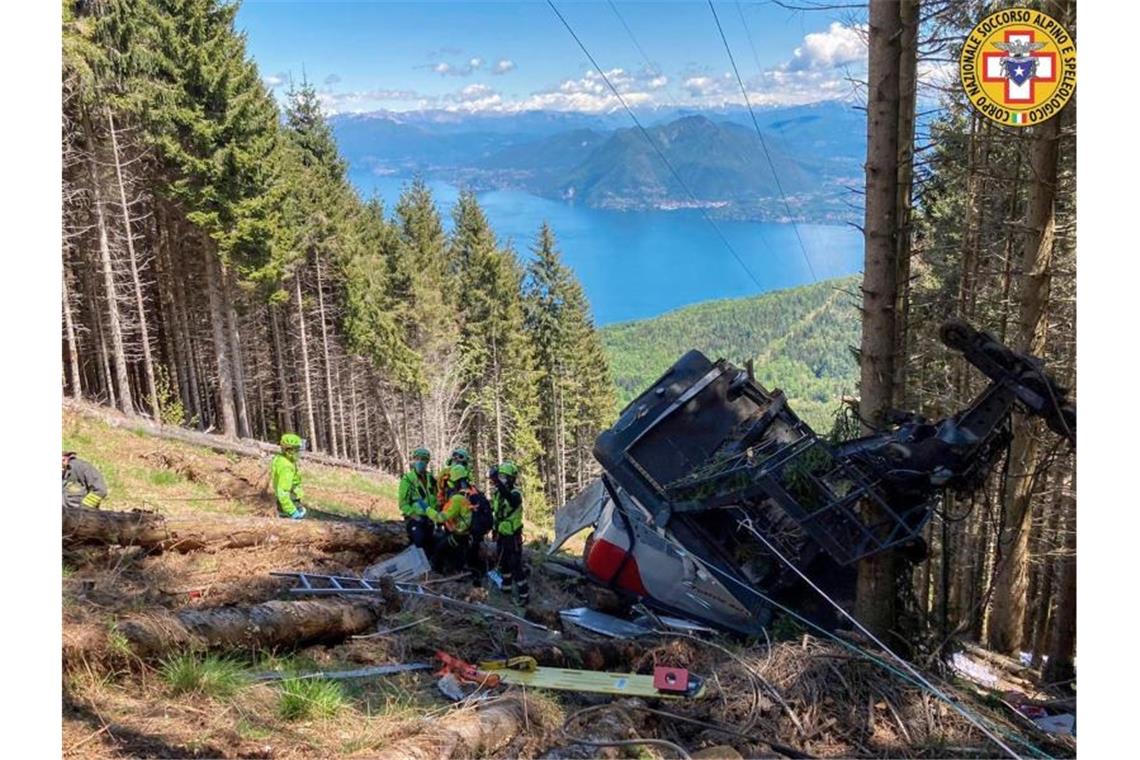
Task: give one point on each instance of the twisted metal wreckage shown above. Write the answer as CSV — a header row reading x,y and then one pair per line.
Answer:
x,y
718,503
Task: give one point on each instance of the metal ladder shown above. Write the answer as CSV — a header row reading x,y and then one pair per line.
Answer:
x,y
313,584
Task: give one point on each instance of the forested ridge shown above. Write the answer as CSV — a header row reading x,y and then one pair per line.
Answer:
x,y
219,271
801,340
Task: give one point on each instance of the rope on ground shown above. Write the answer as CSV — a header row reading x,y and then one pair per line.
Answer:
x,y
616,742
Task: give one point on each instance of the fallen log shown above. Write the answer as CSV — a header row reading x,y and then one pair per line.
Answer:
x,y
463,733
270,625
196,532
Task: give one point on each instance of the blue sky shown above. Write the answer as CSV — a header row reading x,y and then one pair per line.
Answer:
x,y
504,57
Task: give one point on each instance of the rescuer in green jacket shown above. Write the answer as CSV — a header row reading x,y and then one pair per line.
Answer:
x,y
83,486
285,478
507,511
460,517
416,496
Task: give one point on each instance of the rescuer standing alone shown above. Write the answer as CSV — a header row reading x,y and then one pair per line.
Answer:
x,y
285,478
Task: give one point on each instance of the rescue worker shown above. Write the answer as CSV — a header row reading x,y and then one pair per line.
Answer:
x,y
464,506
285,478
83,486
416,496
507,512
458,456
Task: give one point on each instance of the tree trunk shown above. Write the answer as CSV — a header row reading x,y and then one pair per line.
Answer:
x,y
1063,643
271,625
284,395
471,733
113,324
908,70
140,305
236,361
72,347
195,532
875,590
310,421
221,354
329,397
1008,618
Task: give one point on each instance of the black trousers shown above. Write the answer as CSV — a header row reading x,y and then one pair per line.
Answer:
x,y
458,552
421,533
511,565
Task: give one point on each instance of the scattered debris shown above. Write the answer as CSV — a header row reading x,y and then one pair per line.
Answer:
x,y
379,670
606,625
1065,723
972,670
409,565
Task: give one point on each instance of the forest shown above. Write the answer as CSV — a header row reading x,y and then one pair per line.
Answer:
x,y
971,220
221,273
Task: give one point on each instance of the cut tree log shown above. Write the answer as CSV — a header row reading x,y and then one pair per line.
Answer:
x,y
463,733
196,532
270,625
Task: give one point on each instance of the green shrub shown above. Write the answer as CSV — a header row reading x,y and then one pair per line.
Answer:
x,y
210,676
309,698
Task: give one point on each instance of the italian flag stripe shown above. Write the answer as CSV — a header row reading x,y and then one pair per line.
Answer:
x,y
1017,118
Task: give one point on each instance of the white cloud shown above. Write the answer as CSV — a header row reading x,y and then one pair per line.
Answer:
x,y
332,79
366,100
443,68
475,63
503,65
657,82
275,80
839,46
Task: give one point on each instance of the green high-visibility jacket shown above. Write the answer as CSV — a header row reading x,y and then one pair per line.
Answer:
x,y
507,509
285,479
456,514
417,495
83,486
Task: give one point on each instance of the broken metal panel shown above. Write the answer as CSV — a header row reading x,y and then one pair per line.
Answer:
x,y
579,513
409,565
606,625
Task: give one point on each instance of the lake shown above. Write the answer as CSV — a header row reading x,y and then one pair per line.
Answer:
x,y
640,264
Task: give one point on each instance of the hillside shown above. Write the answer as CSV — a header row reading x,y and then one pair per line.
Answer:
x,y
604,163
799,338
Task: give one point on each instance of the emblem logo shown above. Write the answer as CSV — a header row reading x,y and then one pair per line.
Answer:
x,y
1019,67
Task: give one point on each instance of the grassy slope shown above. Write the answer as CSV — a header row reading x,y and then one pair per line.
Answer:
x,y
146,472
798,337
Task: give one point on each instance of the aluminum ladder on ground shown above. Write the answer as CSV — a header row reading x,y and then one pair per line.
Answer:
x,y
313,584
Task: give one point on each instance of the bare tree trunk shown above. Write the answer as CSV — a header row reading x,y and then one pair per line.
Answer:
x,y
309,420
144,334
221,355
328,365
235,351
72,347
908,70
113,324
1009,609
352,405
284,395
875,591
1064,634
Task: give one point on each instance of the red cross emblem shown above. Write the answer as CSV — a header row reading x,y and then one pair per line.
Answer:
x,y
1019,93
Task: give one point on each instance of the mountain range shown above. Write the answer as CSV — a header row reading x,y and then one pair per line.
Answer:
x,y
601,161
